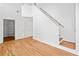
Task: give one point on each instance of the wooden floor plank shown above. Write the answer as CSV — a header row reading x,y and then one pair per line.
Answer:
x,y
8,38
68,44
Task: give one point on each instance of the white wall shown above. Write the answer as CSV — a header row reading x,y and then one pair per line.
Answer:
x,y
26,10
65,14
28,26
1,31
77,26
9,10
19,29
43,28
24,27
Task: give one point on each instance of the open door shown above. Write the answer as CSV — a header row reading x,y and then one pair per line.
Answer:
x,y
9,30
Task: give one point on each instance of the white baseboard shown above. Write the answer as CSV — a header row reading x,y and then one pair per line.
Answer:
x,y
1,42
17,38
69,40
60,47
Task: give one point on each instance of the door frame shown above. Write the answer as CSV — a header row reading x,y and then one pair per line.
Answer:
x,y
4,28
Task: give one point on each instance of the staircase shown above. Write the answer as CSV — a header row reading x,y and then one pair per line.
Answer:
x,y
60,26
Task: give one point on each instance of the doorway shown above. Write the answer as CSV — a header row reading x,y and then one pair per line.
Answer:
x,y
9,30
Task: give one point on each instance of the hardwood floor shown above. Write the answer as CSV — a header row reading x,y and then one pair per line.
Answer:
x,y
30,47
9,38
68,44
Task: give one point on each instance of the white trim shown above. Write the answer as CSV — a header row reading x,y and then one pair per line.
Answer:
x,y
60,47
69,40
23,37
0,42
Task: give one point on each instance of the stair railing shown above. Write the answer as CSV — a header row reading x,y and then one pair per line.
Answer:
x,y
53,20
